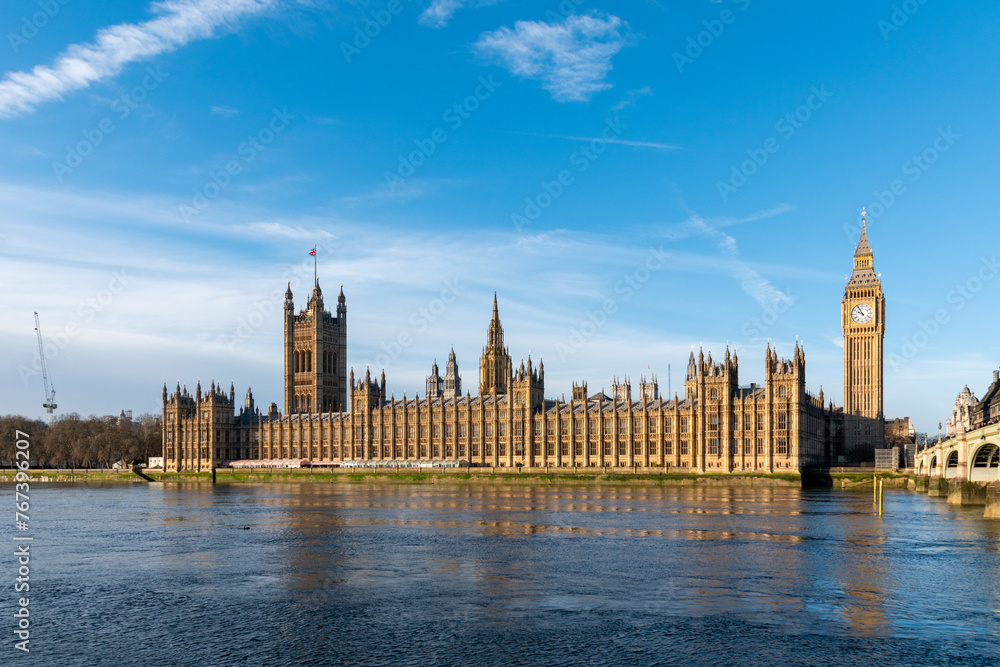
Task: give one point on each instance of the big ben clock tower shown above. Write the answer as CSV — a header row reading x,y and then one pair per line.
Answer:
x,y
863,322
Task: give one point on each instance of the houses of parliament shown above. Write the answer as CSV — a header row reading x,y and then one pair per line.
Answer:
x,y
718,425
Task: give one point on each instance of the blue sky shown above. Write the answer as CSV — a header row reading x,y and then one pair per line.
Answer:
x,y
633,178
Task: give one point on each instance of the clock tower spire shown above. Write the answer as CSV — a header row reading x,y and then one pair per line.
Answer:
x,y
863,322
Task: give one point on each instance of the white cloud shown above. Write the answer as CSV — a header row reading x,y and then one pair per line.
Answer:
x,y
631,97
179,22
280,229
441,11
571,59
752,282
623,142
226,112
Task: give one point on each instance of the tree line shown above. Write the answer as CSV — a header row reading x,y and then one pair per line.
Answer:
x,y
76,442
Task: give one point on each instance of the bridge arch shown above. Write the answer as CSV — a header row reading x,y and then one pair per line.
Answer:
x,y
951,464
933,469
985,463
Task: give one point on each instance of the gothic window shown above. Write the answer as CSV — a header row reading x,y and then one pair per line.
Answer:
x,y
501,430
437,430
423,432
713,394
652,425
593,427
782,392
782,446
517,429
760,445
489,430
564,428
578,427
551,428
760,422
713,422
782,422
713,446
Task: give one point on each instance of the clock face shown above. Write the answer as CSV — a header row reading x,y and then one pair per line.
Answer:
x,y
862,313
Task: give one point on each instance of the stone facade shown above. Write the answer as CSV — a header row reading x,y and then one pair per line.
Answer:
x,y
962,414
718,425
863,323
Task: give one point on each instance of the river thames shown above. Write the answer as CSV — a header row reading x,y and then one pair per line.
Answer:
x,y
476,574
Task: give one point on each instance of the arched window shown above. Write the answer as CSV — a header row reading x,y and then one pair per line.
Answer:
x,y
782,392
713,394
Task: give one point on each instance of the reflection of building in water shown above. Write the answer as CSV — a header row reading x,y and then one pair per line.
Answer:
x,y
718,426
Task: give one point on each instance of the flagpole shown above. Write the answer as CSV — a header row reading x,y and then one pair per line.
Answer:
x,y
315,275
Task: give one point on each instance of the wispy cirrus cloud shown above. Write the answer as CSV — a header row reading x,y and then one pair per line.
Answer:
x,y
623,142
178,22
571,58
226,112
441,11
632,97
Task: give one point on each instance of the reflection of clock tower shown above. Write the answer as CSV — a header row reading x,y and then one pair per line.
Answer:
x,y
863,320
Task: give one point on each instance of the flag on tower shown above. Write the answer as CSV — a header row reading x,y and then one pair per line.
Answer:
x,y
312,253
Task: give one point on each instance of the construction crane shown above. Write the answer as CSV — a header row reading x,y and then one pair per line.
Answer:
x,y
50,392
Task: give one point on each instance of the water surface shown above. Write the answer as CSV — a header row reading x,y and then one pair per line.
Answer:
x,y
387,574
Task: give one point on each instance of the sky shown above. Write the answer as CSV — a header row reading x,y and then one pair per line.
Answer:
x,y
633,179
